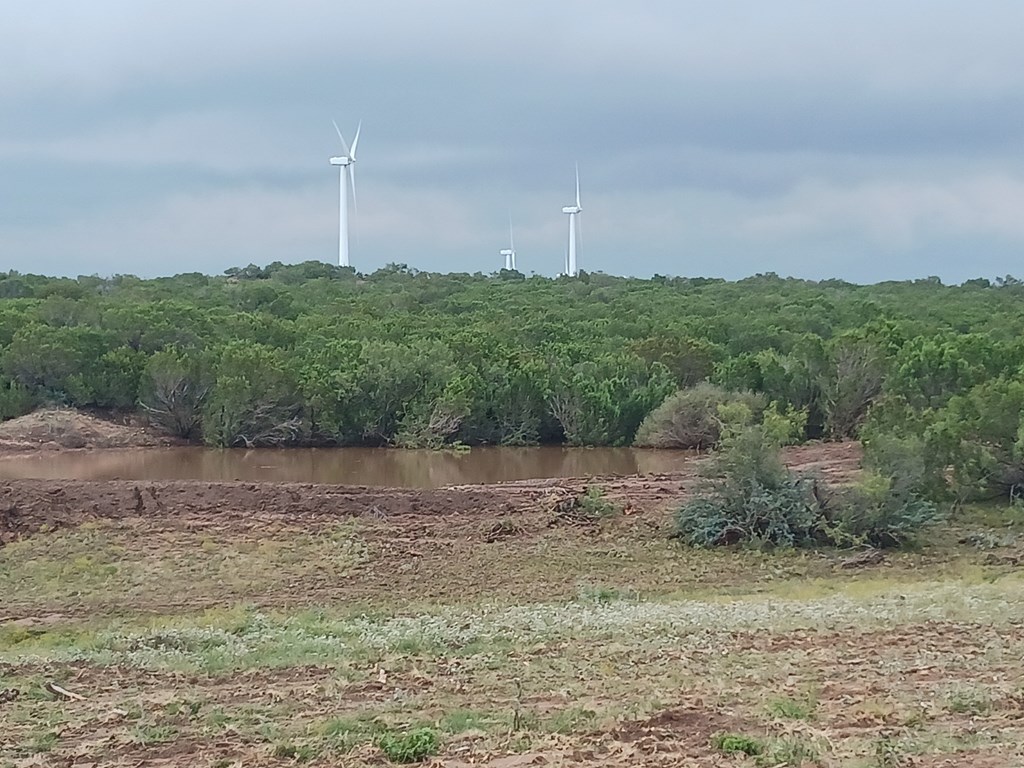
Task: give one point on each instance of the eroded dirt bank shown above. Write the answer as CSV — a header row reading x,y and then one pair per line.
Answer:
x,y
27,506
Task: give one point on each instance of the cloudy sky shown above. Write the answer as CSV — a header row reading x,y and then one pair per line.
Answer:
x,y
864,140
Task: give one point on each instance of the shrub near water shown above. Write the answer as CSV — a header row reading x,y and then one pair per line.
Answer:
x,y
690,418
752,498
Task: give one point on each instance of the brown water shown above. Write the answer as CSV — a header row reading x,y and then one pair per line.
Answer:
x,y
349,466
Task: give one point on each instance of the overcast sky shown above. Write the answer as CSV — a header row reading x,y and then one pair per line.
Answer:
x,y
863,140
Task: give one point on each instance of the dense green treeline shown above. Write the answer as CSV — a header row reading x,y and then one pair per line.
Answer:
x,y
316,353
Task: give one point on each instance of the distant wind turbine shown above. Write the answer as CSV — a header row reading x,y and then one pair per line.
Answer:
x,y
573,211
510,252
347,174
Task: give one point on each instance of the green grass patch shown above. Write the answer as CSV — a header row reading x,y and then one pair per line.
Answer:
x,y
734,743
789,708
413,746
463,720
149,734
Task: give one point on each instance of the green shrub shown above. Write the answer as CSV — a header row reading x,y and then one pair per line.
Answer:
x,y
878,513
732,743
410,747
691,418
594,505
752,498
15,400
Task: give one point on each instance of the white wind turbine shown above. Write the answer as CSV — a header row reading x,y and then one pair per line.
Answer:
x,y
347,176
510,252
573,211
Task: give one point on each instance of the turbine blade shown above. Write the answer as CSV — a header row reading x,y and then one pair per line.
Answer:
x,y
511,241
355,141
578,185
343,142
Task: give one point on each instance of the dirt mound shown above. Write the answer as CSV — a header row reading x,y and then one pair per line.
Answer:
x,y
63,428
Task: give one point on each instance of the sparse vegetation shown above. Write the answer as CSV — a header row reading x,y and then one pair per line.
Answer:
x,y
789,708
752,499
731,743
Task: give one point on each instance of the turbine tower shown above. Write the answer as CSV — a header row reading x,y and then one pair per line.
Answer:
x,y
510,252
347,175
573,210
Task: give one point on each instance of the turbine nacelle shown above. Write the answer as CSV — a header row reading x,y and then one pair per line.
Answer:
x,y
571,209
341,161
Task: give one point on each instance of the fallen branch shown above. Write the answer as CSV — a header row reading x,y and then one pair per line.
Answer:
x,y
62,693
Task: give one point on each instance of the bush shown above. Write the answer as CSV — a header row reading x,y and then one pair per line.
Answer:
x,y
691,418
753,499
410,747
595,506
15,400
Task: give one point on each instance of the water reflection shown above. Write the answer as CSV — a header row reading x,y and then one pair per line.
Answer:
x,y
350,466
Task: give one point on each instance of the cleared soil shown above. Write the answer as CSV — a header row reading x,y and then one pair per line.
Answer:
x,y
63,428
231,624
27,506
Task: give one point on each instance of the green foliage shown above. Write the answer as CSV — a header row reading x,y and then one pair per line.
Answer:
x,y
254,398
15,400
792,751
410,747
299,753
786,426
403,357
789,708
978,435
173,392
603,401
732,743
753,499
594,505
693,418
852,382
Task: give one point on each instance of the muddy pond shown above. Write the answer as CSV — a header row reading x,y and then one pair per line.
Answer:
x,y
350,466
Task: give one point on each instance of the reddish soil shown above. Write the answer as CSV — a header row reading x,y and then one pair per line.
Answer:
x,y
62,429
27,506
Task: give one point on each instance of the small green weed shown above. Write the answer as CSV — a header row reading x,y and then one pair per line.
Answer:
x,y
462,720
146,735
788,751
733,743
969,701
186,709
571,720
592,593
888,754
788,708
44,742
300,753
345,733
410,747
595,506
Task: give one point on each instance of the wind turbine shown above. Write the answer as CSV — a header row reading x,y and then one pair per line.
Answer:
x,y
347,174
510,252
573,211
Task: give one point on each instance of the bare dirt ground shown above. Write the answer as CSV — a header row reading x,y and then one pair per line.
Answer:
x,y
64,428
233,624
27,506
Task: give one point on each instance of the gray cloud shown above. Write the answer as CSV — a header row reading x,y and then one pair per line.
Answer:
x,y
861,140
